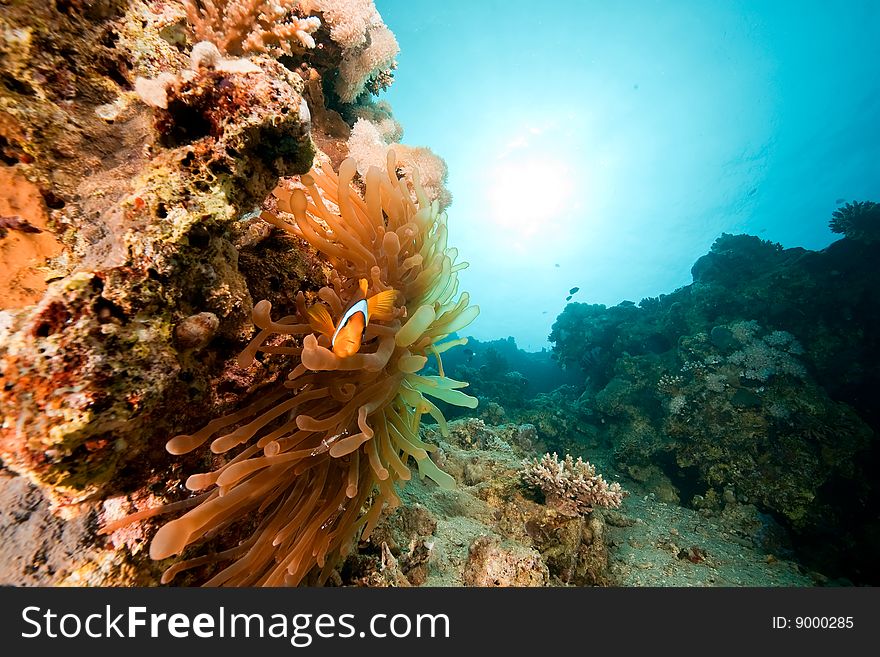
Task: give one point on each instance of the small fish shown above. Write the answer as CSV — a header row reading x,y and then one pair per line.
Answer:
x,y
568,298
468,354
346,336
839,201
573,290
556,265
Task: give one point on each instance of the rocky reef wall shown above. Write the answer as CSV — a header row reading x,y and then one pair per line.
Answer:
x,y
134,162
756,383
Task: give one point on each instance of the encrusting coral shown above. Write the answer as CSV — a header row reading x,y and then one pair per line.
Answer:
x,y
146,203
323,451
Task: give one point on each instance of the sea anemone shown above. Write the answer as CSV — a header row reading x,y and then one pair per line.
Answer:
x,y
858,221
315,460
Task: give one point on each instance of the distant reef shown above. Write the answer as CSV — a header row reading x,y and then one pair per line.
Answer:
x,y
756,382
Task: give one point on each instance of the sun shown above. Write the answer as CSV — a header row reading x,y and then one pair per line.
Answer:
x,y
529,199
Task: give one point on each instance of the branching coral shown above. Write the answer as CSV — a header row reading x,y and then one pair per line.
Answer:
x,y
368,46
773,355
363,44
251,26
318,458
348,20
369,142
569,485
370,67
858,221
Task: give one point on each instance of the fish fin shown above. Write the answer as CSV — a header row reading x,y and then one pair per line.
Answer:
x,y
320,320
381,306
363,284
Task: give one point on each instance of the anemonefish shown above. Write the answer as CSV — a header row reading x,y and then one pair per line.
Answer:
x,y
346,336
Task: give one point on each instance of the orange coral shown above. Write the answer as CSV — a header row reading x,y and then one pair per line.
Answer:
x,y
23,250
320,456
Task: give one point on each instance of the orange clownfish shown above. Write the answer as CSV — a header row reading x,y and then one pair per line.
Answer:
x,y
345,338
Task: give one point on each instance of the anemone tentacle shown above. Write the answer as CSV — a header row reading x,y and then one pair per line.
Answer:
x,y
318,458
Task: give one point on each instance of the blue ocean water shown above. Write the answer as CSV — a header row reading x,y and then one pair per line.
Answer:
x,y
607,145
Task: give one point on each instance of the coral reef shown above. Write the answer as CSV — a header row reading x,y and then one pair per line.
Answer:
x,y
367,145
488,530
39,548
858,221
755,421
368,46
508,381
165,165
134,164
251,26
95,361
359,47
752,380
